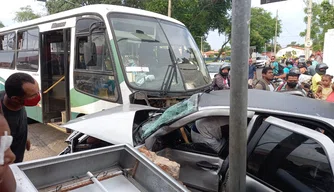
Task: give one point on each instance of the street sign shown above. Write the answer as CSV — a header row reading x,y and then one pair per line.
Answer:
x,y
270,1
308,43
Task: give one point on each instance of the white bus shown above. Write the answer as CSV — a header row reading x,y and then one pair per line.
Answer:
x,y
102,56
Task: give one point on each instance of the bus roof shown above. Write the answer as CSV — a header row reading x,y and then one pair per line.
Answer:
x,y
102,9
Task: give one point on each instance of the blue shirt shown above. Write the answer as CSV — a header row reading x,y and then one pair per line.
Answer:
x,y
275,69
251,71
286,70
314,63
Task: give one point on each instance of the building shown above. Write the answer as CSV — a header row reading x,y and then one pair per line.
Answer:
x,y
291,49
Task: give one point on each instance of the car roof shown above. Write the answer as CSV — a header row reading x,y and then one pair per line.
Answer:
x,y
267,100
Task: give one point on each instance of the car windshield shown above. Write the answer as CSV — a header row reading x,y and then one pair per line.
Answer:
x,y
173,113
213,68
157,54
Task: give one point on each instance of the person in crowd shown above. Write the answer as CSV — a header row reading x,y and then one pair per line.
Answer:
x,y
303,69
265,82
318,57
221,80
330,98
286,70
320,70
314,62
325,88
20,90
7,180
310,68
274,65
212,131
251,73
296,62
305,79
291,82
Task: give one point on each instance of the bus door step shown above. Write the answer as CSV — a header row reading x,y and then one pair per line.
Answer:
x,y
57,125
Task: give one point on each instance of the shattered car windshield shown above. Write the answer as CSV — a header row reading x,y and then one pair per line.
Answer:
x,y
173,113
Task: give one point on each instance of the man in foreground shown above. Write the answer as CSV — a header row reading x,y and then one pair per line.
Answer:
x,y
20,90
265,82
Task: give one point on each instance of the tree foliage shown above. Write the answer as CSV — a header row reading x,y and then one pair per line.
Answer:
x,y
206,46
56,6
262,28
1,24
322,20
199,16
25,14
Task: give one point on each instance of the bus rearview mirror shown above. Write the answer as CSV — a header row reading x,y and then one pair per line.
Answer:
x,y
90,54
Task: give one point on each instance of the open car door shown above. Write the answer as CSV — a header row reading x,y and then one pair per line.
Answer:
x,y
289,157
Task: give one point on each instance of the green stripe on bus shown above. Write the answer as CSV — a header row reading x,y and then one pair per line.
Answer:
x,y
35,113
117,63
78,99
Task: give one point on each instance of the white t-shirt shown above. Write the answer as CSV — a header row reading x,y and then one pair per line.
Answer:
x,y
271,87
304,78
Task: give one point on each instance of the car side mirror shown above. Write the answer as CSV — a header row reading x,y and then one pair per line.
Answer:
x,y
90,54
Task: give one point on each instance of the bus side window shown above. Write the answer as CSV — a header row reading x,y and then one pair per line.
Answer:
x,y
98,80
7,51
28,54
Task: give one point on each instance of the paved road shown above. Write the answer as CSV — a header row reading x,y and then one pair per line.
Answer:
x,y
45,142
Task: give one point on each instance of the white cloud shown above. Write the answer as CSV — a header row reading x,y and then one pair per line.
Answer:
x,y
9,9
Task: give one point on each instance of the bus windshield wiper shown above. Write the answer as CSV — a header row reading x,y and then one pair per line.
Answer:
x,y
170,74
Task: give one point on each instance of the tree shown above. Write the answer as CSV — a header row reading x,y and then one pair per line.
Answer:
x,y
206,46
56,6
293,43
199,16
322,20
1,24
25,14
262,28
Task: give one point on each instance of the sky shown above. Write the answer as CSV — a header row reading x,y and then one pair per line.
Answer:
x,y
290,13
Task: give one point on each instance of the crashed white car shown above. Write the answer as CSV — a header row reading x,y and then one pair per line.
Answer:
x,y
290,139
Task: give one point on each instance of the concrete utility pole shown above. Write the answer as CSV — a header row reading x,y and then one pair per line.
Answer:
x,y
308,42
169,8
239,95
275,44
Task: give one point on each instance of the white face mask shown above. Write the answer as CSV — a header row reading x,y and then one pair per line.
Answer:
x,y
312,59
5,143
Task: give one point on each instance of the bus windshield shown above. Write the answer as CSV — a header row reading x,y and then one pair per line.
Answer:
x,y
158,55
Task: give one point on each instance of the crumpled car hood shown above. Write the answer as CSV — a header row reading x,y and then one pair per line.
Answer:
x,y
112,125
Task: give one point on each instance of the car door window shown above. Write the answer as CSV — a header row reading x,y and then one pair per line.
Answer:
x,y
290,161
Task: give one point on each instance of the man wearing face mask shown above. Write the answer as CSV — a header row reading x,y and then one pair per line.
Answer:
x,y
291,83
221,80
20,90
